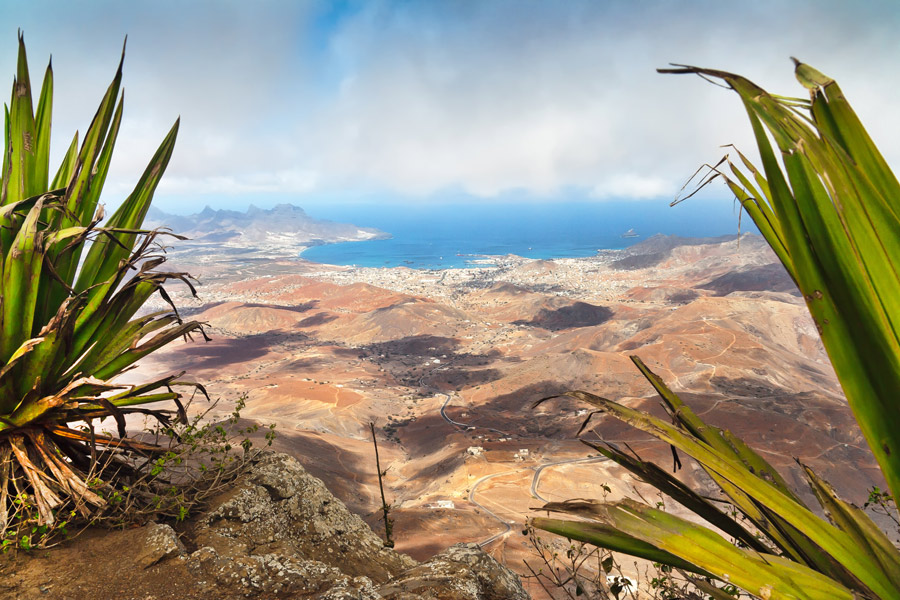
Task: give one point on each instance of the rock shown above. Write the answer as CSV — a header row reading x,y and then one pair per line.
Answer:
x,y
462,572
279,532
158,542
276,533
268,575
278,508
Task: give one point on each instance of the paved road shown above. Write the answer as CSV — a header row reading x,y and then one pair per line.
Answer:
x,y
537,472
507,526
464,426
535,480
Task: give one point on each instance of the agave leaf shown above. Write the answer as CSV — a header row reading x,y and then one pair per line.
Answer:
x,y
21,274
758,206
129,357
31,411
114,312
839,218
105,255
67,166
75,485
834,542
764,575
74,434
119,340
605,536
26,347
136,391
44,497
709,589
42,364
715,437
836,120
68,261
91,147
21,136
784,535
41,169
672,487
7,154
11,218
92,196
858,525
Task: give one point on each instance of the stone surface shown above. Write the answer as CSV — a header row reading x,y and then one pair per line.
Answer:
x,y
277,533
279,509
280,531
159,541
462,572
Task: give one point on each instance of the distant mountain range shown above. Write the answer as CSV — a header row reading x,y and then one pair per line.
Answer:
x,y
284,227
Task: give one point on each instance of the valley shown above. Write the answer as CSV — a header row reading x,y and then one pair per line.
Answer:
x,y
449,363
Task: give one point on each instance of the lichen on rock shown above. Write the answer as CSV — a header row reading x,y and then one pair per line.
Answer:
x,y
276,533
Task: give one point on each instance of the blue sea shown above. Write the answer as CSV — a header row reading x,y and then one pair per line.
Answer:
x,y
442,235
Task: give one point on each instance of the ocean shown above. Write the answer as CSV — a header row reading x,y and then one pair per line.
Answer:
x,y
444,235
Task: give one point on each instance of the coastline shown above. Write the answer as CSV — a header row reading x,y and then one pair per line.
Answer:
x,y
413,256
600,278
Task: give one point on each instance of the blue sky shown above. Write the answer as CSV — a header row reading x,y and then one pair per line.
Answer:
x,y
317,102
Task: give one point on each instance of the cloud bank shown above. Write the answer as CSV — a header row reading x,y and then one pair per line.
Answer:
x,y
413,98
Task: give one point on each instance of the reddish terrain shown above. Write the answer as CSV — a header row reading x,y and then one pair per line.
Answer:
x,y
444,361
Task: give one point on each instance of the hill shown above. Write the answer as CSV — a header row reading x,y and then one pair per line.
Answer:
x,y
448,363
285,227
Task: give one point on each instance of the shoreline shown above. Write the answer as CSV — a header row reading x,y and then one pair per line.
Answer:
x,y
473,260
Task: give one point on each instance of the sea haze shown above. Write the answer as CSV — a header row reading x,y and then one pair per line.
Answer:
x,y
448,235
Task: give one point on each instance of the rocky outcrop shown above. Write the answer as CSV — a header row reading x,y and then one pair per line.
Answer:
x,y
276,533
461,572
279,530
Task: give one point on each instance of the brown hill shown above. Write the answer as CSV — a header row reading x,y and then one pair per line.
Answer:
x,y
405,319
451,361
519,306
252,318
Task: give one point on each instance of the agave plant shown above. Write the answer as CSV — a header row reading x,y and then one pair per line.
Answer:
x,y
829,205
71,290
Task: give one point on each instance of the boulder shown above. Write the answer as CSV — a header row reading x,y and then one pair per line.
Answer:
x,y
279,532
462,572
276,533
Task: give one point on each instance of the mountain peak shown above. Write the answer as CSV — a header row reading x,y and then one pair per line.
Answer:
x,y
286,207
282,225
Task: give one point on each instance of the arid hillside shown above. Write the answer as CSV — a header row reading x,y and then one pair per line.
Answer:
x,y
448,363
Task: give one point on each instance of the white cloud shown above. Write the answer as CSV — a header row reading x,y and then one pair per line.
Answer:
x,y
495,96
631,186
275,182
420,97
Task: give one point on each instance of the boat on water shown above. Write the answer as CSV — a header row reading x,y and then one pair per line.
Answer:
x,y
630,234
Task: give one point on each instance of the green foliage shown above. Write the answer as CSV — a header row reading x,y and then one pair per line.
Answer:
x,y
829,206
71,294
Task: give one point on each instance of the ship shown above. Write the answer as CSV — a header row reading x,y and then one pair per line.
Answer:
x,y
630,234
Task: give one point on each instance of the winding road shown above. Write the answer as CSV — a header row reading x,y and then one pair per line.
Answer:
x,y
537,472
535,480
506,524
464,426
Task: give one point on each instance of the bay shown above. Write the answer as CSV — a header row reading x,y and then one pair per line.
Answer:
x,y
443,235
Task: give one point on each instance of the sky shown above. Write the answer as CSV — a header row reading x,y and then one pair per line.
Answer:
x,y
487,100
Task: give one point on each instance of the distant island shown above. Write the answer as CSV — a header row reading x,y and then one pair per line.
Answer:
x,y
283,229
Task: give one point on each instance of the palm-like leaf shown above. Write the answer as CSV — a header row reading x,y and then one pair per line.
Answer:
x,y
829,206
66,331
